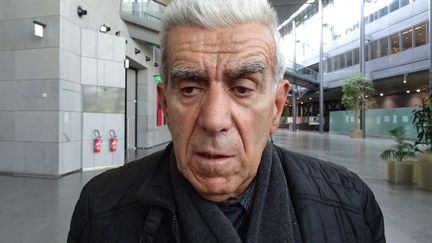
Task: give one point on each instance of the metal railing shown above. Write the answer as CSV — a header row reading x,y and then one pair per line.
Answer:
x,y
303,72
148,11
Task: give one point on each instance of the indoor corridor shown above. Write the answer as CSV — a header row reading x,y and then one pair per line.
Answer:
x,y
38,210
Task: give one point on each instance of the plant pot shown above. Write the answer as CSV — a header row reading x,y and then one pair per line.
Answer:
x,y
399,172
357,133
416,171
424,180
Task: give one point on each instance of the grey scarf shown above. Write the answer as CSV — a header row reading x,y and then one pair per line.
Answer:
x,y
272,218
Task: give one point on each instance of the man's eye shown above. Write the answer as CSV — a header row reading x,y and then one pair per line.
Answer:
x,y
242,91
190,91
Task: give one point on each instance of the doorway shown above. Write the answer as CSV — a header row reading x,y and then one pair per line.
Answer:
x,y
131,113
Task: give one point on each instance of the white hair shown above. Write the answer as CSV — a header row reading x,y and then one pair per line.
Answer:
x,y
213,14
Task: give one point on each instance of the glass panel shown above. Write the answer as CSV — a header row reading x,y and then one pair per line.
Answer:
x,y
342,121
406,39
366,53
329,65
371,18
356,59
403,3
341,61
148,10
420,35
395,43
348,59
335,61
383,12
325,66
376,15
394,5
100,99
374,50
384,47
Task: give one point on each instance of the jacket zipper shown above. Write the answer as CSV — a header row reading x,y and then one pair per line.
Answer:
x,y
173,218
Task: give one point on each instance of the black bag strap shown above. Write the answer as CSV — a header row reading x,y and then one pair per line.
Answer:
x,y
151,225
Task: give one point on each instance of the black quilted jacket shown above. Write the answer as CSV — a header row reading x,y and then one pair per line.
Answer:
x,y
331,204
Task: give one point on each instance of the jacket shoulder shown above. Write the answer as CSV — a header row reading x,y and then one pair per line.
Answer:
x,y
119,187
331,203
312,178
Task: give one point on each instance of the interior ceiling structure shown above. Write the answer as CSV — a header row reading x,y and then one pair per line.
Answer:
x,y
387,86
285,8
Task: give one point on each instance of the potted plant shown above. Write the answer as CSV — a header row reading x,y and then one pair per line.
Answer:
x,y
399,168
422,121
357,95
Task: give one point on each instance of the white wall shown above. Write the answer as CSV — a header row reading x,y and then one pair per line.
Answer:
x,y
43,129
29,84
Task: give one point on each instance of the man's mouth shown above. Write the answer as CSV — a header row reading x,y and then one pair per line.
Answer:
x,y
213,155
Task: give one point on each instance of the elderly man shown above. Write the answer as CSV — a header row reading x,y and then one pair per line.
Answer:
x,y
220,180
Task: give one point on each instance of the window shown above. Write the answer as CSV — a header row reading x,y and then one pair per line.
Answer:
x,y
342,61
384,47
356,59
329,65
335,63
403,3
366,52
395,48
348,57
394,5
376,15
407,39
374,50
383,12
371,18
420,35
325,66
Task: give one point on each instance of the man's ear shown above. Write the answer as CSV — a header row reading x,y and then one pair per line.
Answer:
x,y
161,91
282,89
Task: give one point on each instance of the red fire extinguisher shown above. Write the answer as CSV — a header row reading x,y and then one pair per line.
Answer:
x,y
113,140
97,142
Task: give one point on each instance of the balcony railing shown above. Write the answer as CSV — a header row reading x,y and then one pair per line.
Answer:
x,y
146,10
299,70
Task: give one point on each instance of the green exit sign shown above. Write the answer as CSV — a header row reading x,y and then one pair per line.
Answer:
x,y
157,79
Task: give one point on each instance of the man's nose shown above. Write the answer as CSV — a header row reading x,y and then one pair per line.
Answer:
x,y
215,111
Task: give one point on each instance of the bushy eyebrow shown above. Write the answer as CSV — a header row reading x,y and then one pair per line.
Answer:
x,y
245,69
185,73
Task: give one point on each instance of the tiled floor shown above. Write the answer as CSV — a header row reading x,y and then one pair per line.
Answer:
x,y
39,210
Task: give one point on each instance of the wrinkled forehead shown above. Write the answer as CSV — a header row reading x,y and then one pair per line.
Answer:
x,y
237,40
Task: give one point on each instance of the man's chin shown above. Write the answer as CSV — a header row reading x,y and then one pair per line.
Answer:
x,y
216,189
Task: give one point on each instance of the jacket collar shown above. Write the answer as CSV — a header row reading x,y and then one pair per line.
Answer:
x,y
156,190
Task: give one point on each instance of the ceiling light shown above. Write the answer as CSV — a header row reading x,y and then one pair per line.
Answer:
x,y
104,28
381,94
39,28
310,98
301,103
408,91
418,90
366,96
